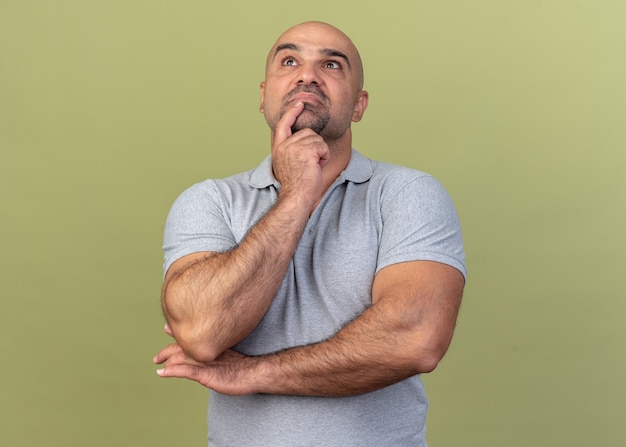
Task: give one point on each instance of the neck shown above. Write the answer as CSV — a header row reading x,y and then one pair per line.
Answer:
x,y
338,161
340,154
335,166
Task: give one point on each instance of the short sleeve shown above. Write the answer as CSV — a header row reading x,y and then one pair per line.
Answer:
x,y
197,222
420,222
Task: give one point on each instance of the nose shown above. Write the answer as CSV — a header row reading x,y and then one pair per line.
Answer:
x,y
308,74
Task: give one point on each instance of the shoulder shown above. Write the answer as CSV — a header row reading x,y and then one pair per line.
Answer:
x,y
396,174
211,190
394,180
362,168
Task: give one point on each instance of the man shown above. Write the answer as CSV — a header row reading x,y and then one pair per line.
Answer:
x,y
309,293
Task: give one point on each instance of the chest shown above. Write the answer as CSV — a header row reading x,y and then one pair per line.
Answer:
x,y
329,280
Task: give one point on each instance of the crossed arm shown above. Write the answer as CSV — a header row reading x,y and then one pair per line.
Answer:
x,y
406,331
213,300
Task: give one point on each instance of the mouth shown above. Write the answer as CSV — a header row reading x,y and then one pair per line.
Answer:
x,y
308,95
308,98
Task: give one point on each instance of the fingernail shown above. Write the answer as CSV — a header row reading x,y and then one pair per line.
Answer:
x,y
160,371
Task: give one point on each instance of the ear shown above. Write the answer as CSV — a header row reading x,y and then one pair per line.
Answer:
x,y
262,86
360,106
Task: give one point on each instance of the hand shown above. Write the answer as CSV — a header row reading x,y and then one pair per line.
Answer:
x,y
225,374
298,158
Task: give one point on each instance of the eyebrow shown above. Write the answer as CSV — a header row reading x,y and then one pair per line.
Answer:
x,y
323,52
335,53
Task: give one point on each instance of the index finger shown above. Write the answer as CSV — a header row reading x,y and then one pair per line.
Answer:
x,y
283,127
166,353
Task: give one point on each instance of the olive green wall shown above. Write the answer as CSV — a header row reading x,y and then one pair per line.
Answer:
x,y
108,109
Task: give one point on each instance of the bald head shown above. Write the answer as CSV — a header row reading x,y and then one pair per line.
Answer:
x,y
315,64
313,31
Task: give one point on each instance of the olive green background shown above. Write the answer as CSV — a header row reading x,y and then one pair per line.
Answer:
x,y
109,109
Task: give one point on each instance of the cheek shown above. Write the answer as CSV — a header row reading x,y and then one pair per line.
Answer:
x,y
272,98
347,103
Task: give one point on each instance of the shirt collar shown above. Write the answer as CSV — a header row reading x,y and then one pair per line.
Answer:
x,y
359,170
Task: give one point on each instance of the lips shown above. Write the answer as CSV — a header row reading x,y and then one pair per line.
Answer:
x,y
306,94
308,97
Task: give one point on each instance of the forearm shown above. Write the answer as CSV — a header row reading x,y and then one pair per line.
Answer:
x,y
406,331
373,351
215,301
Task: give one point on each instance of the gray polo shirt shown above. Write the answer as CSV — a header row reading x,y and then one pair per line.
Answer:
x,y
374,215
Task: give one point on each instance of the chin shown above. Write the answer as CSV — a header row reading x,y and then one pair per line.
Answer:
x,y
316,127
315,122
317,130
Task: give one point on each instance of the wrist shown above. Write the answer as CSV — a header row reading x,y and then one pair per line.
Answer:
x,y
261,377
295,203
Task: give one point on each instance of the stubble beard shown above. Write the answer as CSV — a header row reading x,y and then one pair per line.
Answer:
x,y
312,118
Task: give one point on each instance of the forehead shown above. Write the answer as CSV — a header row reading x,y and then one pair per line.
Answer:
x,y
314,37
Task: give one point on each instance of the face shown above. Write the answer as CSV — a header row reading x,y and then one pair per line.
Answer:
x,y
317,64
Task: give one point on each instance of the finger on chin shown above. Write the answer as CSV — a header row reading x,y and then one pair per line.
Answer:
x,y
283,128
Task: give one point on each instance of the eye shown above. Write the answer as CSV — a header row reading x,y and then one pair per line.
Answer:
x,y
334,65
289,61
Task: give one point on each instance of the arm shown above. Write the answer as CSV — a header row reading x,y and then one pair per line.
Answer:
x,y
406,331
213,300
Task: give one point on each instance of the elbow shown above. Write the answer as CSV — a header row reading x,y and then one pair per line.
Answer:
x,y
428,363
195,345
189,333
427,358
429,349
201,354
192,336
199,336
